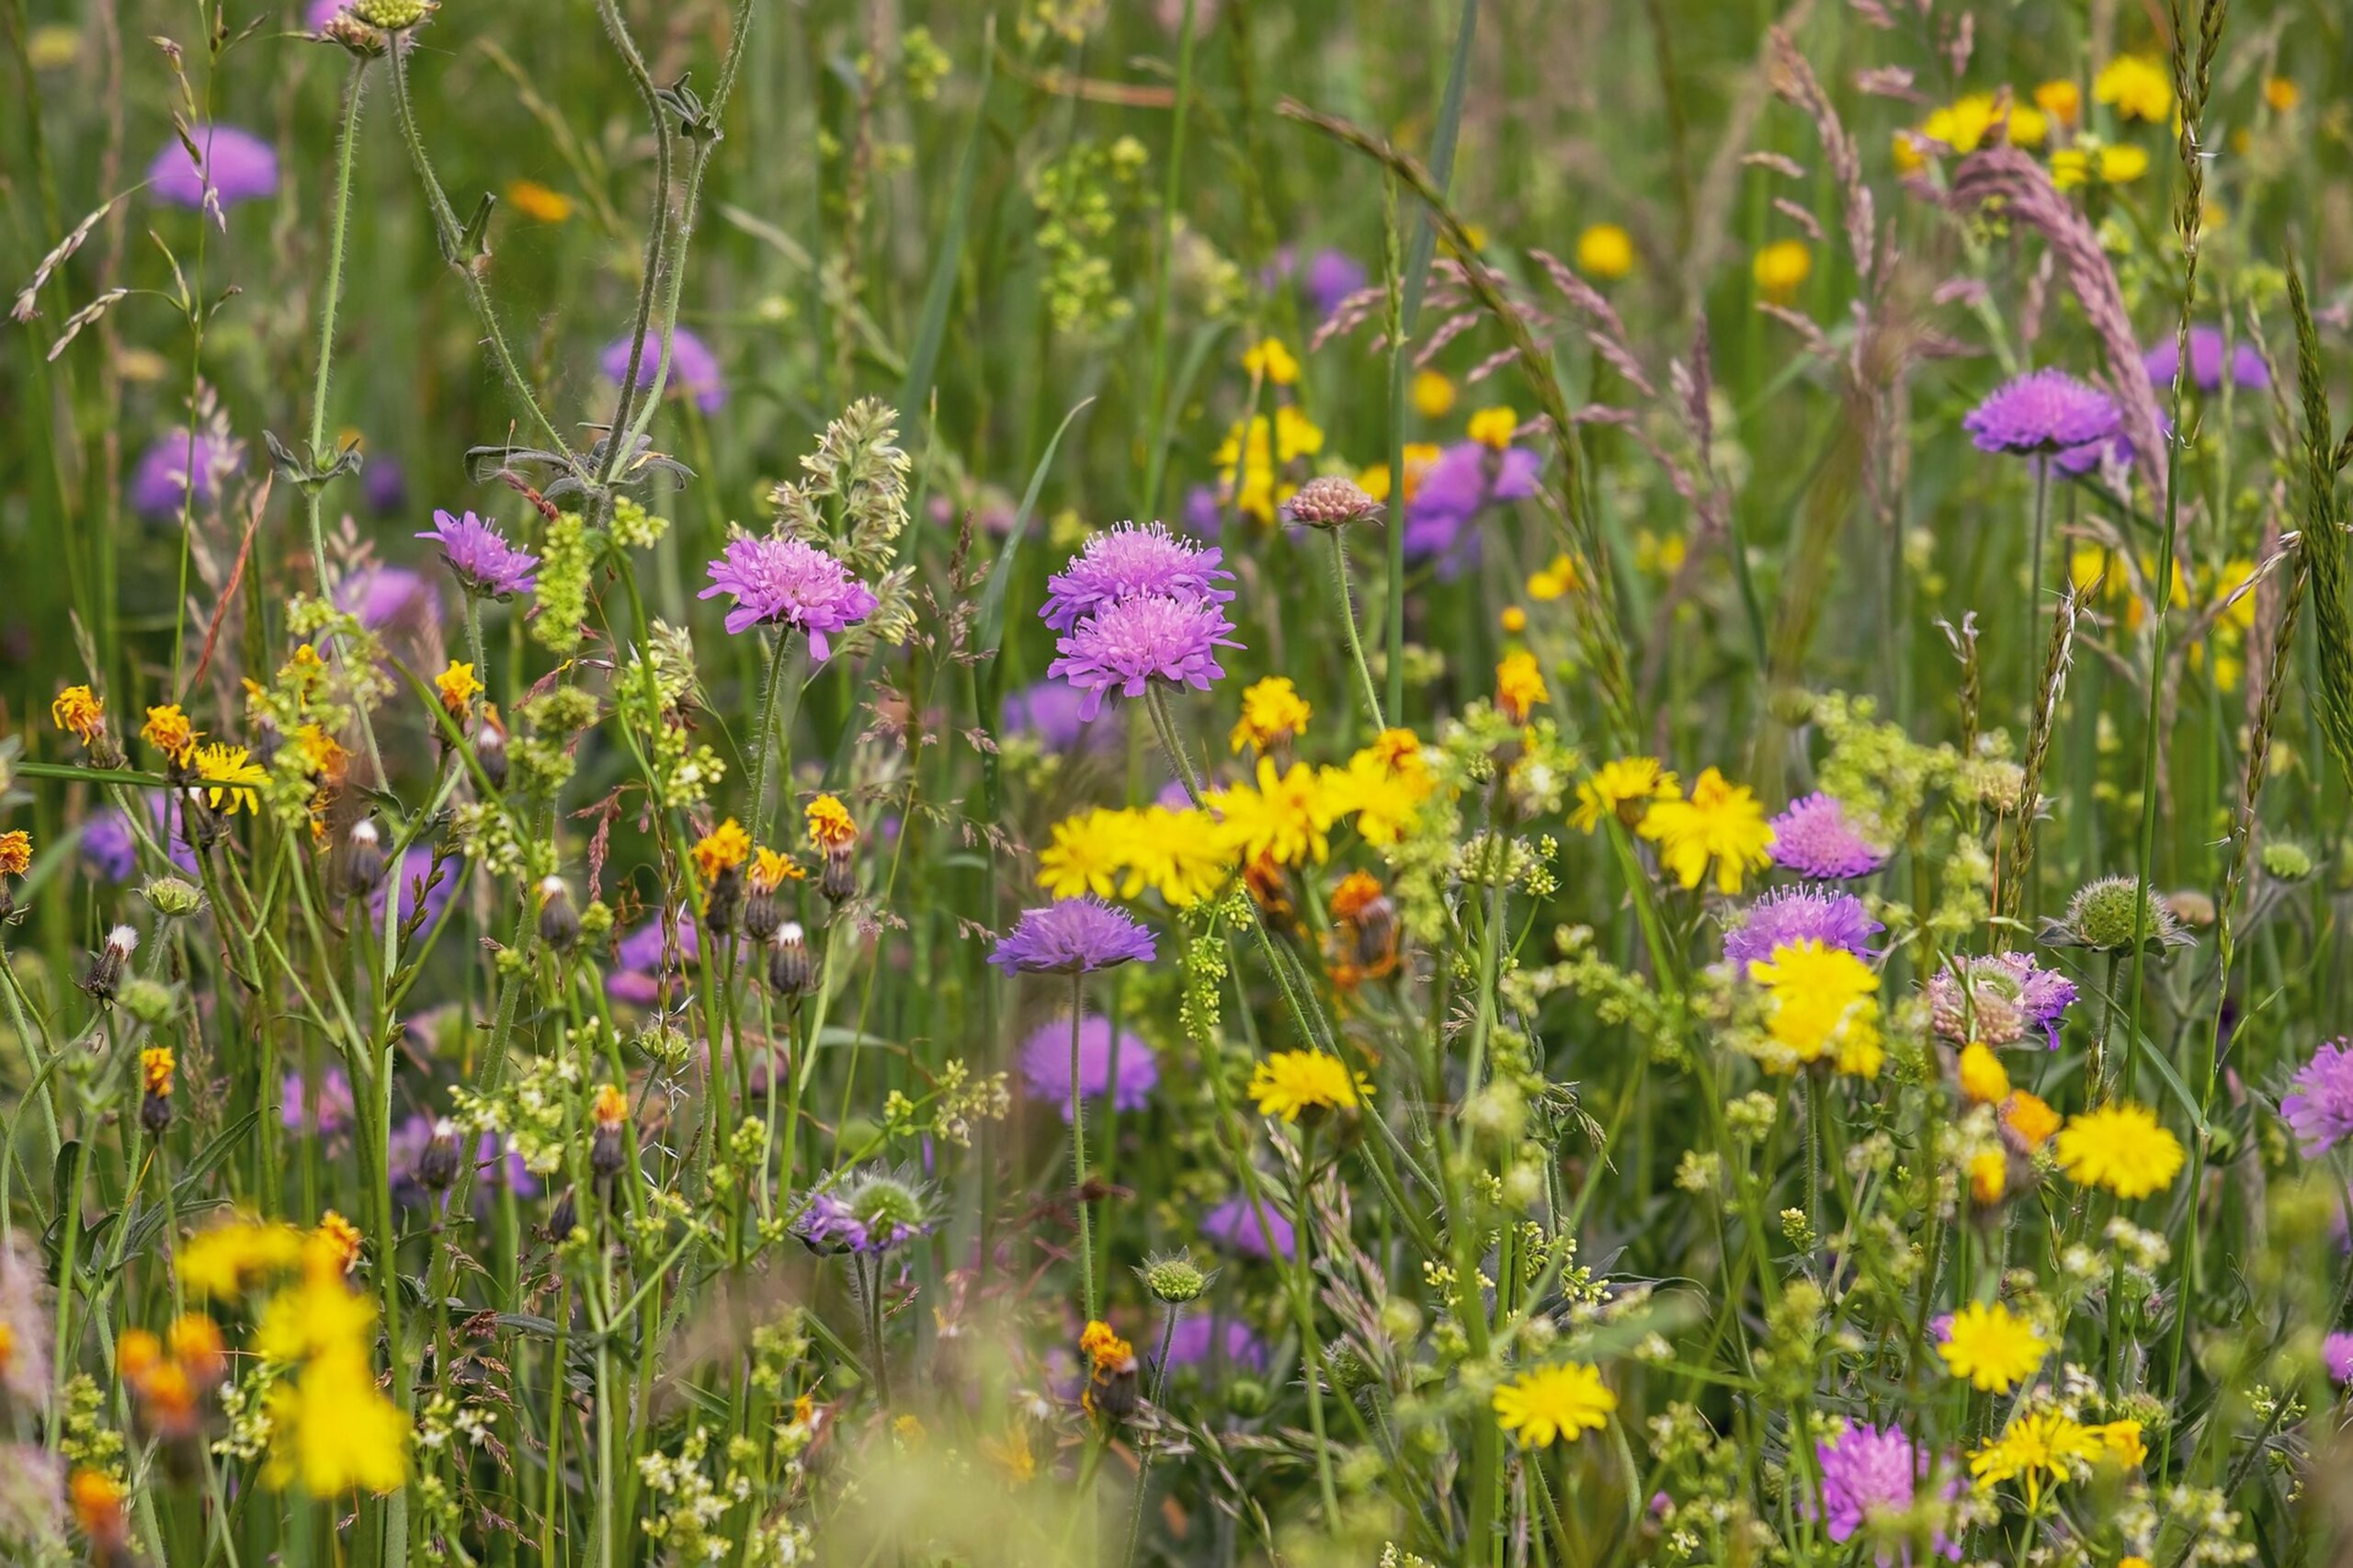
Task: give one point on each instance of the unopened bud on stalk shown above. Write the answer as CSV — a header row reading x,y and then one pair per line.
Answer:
x,y
155,1066
436,1167
105,976
363,859
789,970
490,747
559,921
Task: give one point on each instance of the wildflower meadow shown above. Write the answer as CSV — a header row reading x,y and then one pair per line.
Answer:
x,y
1500,784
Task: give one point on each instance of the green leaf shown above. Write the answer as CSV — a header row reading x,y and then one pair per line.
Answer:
x,y
915,391
992,629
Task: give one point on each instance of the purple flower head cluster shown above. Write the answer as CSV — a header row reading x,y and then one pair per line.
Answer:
x,y
2205,357
1999,1000
1204,515
239,165
868,1212
1048,712
1045,1065
1073,936
636,979
171,463
790,583
482,558
2336,1353
2320,1109
380,595
1813,838
1128,645
1202,1337
329,1102
1463,481
1134,560
1237,1226
2042,412
694,368
1867,1470
1789,915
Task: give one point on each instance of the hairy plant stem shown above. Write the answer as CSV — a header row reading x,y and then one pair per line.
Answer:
x,y
1078,1148
1348,620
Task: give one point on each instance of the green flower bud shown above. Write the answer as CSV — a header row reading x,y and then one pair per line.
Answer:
x,y
173,896
2286,860
151,1002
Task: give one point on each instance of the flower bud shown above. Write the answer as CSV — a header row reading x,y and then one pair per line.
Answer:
x,y
104,975
363,859
155,1065
151,1002
726,900
1330,502
490,747
761,915
1174,1280
391,15
564,1218
436,1167
559,921
789,969
838,880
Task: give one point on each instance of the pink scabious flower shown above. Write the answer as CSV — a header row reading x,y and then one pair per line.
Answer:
x,y
1789,915
2320,1107
482,558
1073,936
1813,838
2041,412
1131,562
694,368
1866,1469
1045,1065
2003,996
1125,646
239,166
2337,1354
790,583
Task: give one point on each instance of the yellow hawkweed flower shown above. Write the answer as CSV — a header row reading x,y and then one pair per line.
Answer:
x,y
16,852
538,202
332,1431
1821,1003
168,731
1180,855
2036,1444
1492,427
338,1240
458,687
155,1064
829,823
1566,1400
1284,818
1270,358
1605,250
1623,789
1291,1083
226,1260
230,774
2138,87
2062,100
79,712
1781,268
1982,1079
2121,1148
1519,686
723,848
1384,796
1272,714
1721,823
1993,1347
771,871
1433,394
1089,854
1558,577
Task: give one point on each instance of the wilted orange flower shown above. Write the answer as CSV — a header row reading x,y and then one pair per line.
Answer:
x,y
168,731
16,852
723,848
156,1069
830,824
80,712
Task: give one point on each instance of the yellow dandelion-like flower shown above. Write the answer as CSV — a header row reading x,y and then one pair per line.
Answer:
x,y
2138,87
323,755
2038,1445
155,1066
1291,1083
1720,823
723,848
169,732
1089,854
1823,1004
1283,819
1519,686
1180,855
2113,164
829,823
1269,358
458,687
1623,789
1565,1401
1492,427
230,774
1982,1079
1781,268
771,869
79,712
1433,394
1272,712
332,1431
1383,797
338,1242
1993,1347
1605,250
2122,1149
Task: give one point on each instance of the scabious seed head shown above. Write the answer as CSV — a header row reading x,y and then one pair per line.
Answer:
x,y
2287,860
1333,501
2106,915
391,16
1175,1280
172,897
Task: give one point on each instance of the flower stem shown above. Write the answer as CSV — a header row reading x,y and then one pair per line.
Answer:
x,y
1079,1149
1348,620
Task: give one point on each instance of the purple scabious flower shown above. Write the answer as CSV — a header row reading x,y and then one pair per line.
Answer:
x,y
2320,1107
2335,1352
871,1211
1049,713
384,485
642,948
2206,355
1999,1000
1073,936
1238,1227
493,1167
1045,1064
239,166
107,846
482,558
330,1103
2041,412
381,595
1204,515
1331,276
1461,481
166,470
1126,646
1788,916
1813,838
1134,560
694,368
1868,1468
791,583
1200,1338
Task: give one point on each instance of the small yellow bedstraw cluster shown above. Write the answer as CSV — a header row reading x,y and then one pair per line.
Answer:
x,y
1722,825
1993,1347
1291,1083
1822,1003
1564,1400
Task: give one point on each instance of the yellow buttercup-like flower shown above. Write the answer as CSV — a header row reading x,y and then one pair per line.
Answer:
x,y
231,775
1722,825
1284,818
1291,1083
1566,1400
2122,1149
1821,1003
1433,394
1781,268
1089,854
1382,794
1492,427
2034,1448
1623,789
1993,1347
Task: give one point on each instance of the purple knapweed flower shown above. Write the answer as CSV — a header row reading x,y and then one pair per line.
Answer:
x,y
330,1103
1788,916
482,558
1199,1336
2320,1107
1813,838
643,947
791,583
384,486
2041,412
2005,996
2336,1353
694,368
2205,357
1126,646
1045,1065
1134,560
1073,936
239,165
1866,1469
1238,1226
166,469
